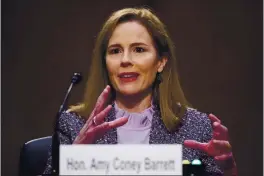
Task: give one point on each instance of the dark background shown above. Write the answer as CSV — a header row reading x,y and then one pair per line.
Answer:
x,y
218,47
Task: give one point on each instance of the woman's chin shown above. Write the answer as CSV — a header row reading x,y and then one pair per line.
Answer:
x,y
129,92
132,90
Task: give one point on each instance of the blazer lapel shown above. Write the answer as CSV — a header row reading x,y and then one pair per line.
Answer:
x,y
111,136
159,133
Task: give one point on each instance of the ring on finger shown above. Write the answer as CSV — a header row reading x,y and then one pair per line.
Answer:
x,y
94,121
228,146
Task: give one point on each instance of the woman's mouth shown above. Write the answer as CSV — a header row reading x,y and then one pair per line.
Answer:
x,y
128,76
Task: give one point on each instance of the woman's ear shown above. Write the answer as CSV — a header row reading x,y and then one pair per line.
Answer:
x,y
162,63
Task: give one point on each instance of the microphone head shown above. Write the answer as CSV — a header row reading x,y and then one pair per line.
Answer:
x,y
76,78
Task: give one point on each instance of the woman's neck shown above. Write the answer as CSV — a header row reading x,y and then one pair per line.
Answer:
x,y
134,103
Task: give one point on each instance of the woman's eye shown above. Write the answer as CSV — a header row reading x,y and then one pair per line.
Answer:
x,y
139,49
114,51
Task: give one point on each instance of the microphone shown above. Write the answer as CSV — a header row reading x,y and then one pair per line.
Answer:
x,y
76,78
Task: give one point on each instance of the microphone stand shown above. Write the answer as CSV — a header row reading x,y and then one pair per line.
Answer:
x,y
55,138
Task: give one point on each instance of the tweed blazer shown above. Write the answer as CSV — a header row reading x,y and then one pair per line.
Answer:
x,y
195,125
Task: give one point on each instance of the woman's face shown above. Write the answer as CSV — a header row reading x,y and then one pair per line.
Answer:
x,y
132,60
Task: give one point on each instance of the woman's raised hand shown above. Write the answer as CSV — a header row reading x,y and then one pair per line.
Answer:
x,y
96,126
218,147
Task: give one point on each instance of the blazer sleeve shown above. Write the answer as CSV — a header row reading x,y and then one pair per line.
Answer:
x,y
66,136
211,166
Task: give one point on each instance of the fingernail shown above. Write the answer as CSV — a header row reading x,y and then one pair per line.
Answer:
x,y
216,124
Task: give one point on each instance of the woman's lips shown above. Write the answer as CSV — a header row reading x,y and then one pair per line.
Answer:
x,y
128,76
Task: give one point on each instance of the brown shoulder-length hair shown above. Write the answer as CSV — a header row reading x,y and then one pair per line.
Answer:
x,y
167,94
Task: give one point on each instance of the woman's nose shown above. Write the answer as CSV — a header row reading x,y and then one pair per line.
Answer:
x,y
126,59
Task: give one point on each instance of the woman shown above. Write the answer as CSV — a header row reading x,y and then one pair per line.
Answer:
x,y
142,100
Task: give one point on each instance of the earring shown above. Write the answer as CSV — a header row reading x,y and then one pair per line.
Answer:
x,y
159,78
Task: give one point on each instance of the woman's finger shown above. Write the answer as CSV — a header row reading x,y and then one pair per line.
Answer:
x,y
220,131
224,157
221,146
101,101
213,118
97,120
226,161
216,135
118,122
195,145
84,136
109,125
100,118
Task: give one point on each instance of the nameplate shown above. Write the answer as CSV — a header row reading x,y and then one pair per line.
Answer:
x,y
121,159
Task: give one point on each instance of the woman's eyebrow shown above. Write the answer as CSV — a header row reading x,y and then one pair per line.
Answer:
x,y
138,43
114,45
131,45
